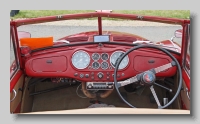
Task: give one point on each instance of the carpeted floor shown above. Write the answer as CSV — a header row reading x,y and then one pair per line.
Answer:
x,y
67,98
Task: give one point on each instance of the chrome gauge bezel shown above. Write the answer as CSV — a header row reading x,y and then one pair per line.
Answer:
x,y
82,52
102,64
106,54
98,66
122,60
98,55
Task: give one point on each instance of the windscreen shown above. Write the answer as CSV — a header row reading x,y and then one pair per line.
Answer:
x,y
85,30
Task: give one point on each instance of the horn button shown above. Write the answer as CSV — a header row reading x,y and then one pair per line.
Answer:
x,y
148,78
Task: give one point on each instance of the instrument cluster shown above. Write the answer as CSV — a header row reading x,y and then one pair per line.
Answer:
x,y
97,64
81,60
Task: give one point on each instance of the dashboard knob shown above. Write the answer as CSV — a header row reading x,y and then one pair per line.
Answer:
x,y
100,75
81,75
76,74
87,75
89,86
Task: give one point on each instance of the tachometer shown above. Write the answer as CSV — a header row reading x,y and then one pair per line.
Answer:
x,y
115,56
80,59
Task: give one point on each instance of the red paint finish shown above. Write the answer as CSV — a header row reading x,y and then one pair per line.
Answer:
x,y
50,64
15,79
115,36
184,43
79,38
142,63
129,71
16,40
186,78
101,14
100,25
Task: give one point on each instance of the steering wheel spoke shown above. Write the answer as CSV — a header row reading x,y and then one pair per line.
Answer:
x,y
163,67
128,81
148,77
155,96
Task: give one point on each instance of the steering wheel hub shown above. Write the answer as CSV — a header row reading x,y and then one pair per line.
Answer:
x,y
148,78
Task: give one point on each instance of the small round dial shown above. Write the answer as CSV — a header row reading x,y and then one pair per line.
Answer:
x,y
95,65
95,56
104,65
80,59
104,56
115,56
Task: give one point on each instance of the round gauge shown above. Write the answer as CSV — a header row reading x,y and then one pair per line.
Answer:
x,y
104,65
104,56
115,56
95,65
80,59
95,56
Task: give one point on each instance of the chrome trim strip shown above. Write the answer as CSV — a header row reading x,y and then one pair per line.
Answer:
x,y
15,94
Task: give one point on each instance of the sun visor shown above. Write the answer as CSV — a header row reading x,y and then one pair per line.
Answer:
x,y
35,43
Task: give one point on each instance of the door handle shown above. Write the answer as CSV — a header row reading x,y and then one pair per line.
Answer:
x,y
15,94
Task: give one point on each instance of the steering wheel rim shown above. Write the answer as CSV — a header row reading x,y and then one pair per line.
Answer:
x,y
148,46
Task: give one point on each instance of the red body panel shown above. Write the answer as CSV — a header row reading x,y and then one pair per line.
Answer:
x,y
15,79
131,70
56,62
52,64
186,79
114,36
102,14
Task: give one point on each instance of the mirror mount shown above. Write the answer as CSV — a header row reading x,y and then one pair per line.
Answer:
x,y
178,33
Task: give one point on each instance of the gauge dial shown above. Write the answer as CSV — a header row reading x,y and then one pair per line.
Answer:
x,y
95,56
95,65
114,58
104,56
80,59
104,65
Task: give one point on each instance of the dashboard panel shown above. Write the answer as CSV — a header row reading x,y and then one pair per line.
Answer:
x,y
96,64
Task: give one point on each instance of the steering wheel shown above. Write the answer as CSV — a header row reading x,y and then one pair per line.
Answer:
x,y
148,77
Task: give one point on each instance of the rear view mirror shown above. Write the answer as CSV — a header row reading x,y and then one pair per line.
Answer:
x,y
178,33
23,34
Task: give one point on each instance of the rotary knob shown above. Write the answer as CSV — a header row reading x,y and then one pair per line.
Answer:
x,y
100,75
89,86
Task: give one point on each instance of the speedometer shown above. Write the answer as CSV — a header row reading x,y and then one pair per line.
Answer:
x,y
80,59
114,57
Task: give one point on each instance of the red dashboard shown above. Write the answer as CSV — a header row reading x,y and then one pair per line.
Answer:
x,y
62,62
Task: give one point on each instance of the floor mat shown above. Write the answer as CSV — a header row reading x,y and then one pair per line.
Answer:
x,y
67,98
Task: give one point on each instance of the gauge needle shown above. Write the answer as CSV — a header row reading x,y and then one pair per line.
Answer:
x,y
79,61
